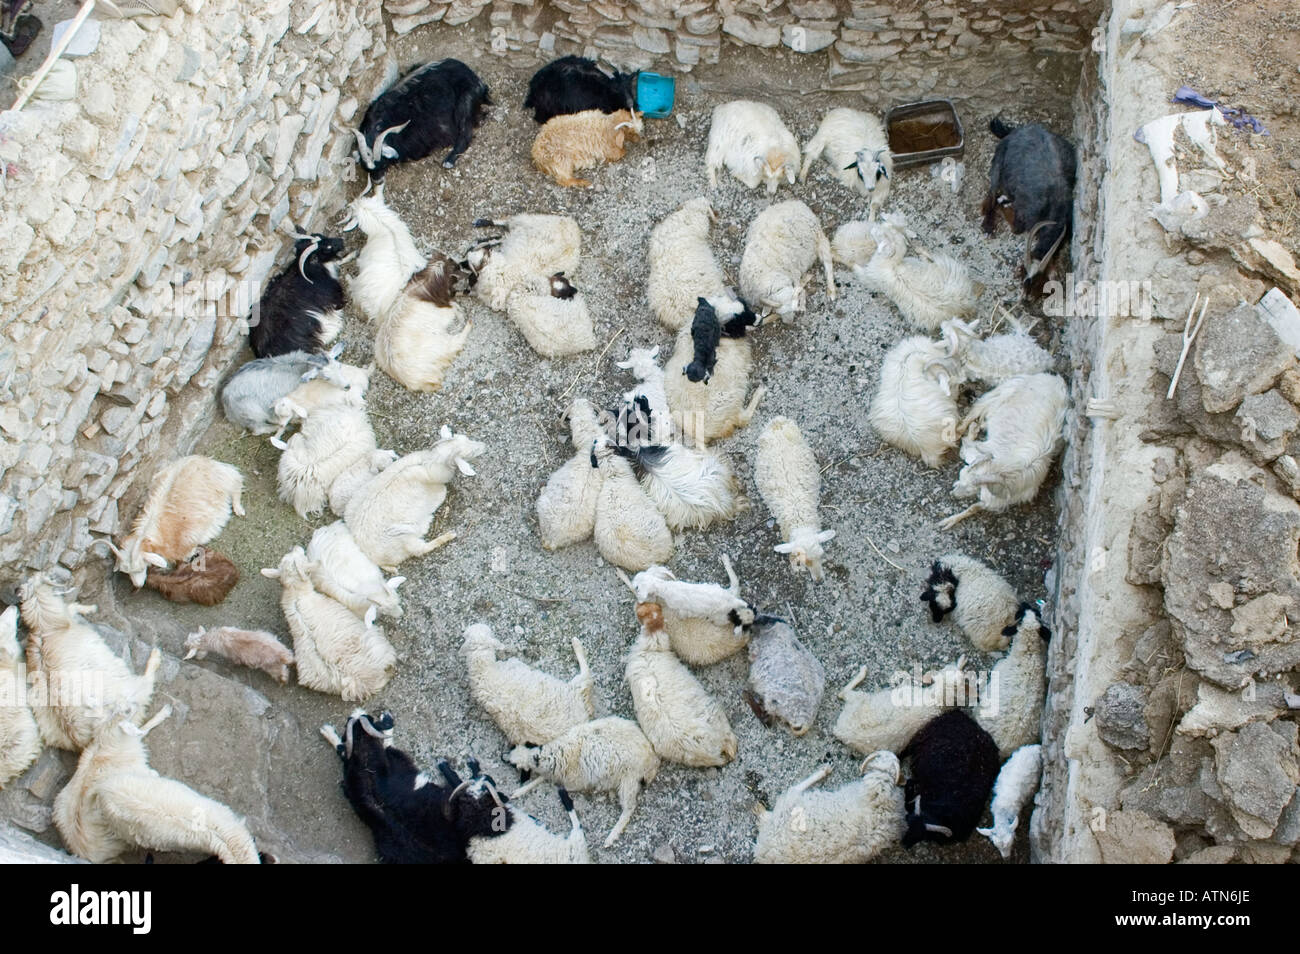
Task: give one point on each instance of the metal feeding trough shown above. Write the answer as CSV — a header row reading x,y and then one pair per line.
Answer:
x,y
924,132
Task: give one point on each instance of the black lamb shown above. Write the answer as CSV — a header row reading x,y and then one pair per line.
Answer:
x,y
706,332
954,765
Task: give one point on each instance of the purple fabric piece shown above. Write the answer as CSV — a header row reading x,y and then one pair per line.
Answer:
x,y
1239,119
1188,95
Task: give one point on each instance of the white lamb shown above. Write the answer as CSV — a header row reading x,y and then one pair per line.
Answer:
x,y
752,142
20,738
692,488
650,392
526,704
697,639
888,718
914,407
1011,793
334,651
609,754
533,245
857,151
360,472
390,515
683,269
712,410
387,260
528,842
703,601
566,507
784,242
852,243
415,343
981,602
1021,421
334,441
849,825
926,291
339,569
997,357
552,316
682,721
630,531
787,476
335,383
86,684
115,802
1011,701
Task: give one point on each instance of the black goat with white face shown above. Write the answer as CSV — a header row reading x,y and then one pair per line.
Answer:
x,y
573,84
302,307
435,106
954,765
1031,181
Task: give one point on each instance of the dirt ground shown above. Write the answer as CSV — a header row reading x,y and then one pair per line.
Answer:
x,y
246,740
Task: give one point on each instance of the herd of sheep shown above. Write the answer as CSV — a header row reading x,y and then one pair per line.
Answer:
x,y
639,474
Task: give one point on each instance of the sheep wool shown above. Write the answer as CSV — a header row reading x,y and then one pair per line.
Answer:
x,y
849,825
682,721
20,738
710,412
784,242
552,316
913,407
566,507
982,604
629,531
786,680
526,704
691,488
787,476
576,141
1011,793
415,343
331,443
887,718
1011,703
754,145
682,267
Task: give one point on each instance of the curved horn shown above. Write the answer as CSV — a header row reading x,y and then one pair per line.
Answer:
x,y
364,722
379,142
367,157
307,253
446,805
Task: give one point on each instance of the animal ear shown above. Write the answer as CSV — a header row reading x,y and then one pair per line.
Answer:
x,y
758,162
463,466
309,375
445,432
271,573
986,832
851,165
784,548
825,535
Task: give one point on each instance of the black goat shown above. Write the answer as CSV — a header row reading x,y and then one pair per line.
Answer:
x,y
1031,180
434,106
954,765
302,307
706,332
572,84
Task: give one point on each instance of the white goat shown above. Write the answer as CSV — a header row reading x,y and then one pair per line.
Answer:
x,y
650,392
415,343
852,243
533,245
20,737
245,647
712,410
692,488
336,383
849,825
387,260
997,357
787,476
360,472
683,269
115,802
1011,701
981,602
630,531
552,316
332,442
927,292
888,718
339,569
527,842
1011,793
857,150
752,142
566,507
784,241
914,407
334,651
526,704
690,611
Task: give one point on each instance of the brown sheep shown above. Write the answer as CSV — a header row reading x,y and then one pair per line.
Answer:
x,y
581,141
205,578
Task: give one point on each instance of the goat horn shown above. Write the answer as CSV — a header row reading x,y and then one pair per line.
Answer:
x,y
446,805
368,728
367,157
492,790
379,142
307,253
1031,267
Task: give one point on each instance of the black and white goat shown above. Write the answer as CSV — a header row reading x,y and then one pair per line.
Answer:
x,y
1031,181
574,84
434,106
707,331
302,307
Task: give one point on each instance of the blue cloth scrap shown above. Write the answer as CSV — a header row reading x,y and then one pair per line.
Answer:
x,y
1239,119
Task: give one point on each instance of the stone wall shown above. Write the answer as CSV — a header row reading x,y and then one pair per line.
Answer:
x,y
139,221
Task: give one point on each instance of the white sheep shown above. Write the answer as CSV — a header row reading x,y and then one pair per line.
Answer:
x,y
390,515
387,260
527,842
246,647
533,245
981,602
630,531
20,737
334,441
189,503
334,651
852,243
849,825
85,683
683,269
1011,700
784,241
1011,792
857,150
692,488
752,142
115,802
997,357
682,721
609,754
787,476
1021,421
650,393
552,316
927,291
888,718
566,507
712,410
339,569
914,407
526,704
415,343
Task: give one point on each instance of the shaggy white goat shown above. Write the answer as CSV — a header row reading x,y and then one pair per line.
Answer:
x,y
888,718
852,243
683,269
1011,793
415,343
332,442
629,531
189,503
981,602
1021,421
1011,701
20,738
926,291
387,260
696,639
787,476
86,684
566,507
349,481
339,569
849,825
552,316
390,515
682,721
752,142
692,488
913,407
650,392
997,357
784,242
334,651
115,802
712,410
533,245
526,704
528,842
334,384
245,647
857,150
609,754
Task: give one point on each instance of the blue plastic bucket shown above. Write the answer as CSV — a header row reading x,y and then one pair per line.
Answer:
x,y
654,94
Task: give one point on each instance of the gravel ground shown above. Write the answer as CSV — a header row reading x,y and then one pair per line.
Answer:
x,y
821,371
